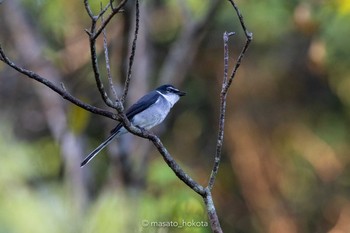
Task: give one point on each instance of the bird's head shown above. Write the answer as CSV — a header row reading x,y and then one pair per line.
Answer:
x,y
170,93
168,89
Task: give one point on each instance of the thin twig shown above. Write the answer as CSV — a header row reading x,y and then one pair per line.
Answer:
x,y
133,51
97,75
92,39
248,34
222,115
102,11
88,9
111,4
238,63
115,10
108,68
249,38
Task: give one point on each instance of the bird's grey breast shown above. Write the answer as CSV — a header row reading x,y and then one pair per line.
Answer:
x,y
153,115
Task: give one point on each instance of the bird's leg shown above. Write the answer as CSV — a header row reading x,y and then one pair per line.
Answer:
x,y
143,130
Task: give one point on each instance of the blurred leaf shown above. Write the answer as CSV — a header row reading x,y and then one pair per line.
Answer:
x,y
78,119
344,6
26,208
113,212
160,174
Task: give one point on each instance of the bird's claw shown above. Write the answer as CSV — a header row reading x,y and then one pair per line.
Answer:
x,y
143,130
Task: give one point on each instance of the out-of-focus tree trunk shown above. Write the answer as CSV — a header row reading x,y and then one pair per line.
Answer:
x,y
29,46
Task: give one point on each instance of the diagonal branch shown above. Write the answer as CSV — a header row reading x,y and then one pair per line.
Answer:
x,y
249,38
179,172
175,167
60,90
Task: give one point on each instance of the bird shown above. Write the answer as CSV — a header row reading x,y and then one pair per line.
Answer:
x,y
147,112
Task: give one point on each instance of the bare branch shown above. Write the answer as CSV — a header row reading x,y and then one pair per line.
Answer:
x,y
222,114
61,91
92,39
88,9
133,51
108,68
102,11
175,167
98,80
226,83
225,86
249,38
179,172
212,215
115,10
248,34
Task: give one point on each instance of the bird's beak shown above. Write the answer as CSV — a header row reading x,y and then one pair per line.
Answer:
x,y
180,93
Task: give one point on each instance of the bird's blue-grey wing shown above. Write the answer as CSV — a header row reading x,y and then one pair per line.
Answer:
x,y
142,104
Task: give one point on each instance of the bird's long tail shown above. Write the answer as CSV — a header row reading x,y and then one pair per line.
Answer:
x,y
99,148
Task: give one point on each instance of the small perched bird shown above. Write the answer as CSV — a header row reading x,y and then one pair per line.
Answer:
x,y
146,113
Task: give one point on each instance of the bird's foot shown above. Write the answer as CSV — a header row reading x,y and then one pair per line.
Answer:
x,y
143,130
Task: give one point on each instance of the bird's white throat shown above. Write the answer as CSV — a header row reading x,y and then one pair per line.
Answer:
x,y
171,98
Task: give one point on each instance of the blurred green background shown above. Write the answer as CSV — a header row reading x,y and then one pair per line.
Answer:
x,y
285,165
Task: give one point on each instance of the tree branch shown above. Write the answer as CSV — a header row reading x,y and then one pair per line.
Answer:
x,y
93,34
212,215
222,114
226,83
179,172
108,67
60,90
224,90
94,18
249,38
132,55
